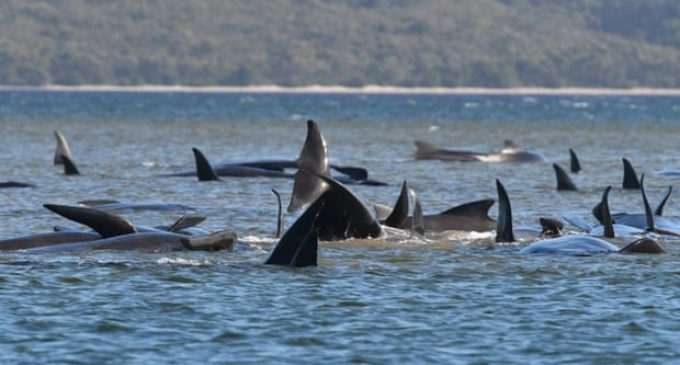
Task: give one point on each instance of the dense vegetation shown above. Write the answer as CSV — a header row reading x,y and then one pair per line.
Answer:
x,y
500,43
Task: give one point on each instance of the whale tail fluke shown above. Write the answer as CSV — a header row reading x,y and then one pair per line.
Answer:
x,y
62,148
106,224
400,212
504,231
659,208
574,163
204,170
70,168
564,182
313,161
630,179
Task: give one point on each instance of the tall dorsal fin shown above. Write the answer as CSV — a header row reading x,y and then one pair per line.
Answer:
x,y
186,221
477,208
69,166
106,224
504,232
574,163
400,211
418,221
564,182
62,148
659,208
313,161
204,170
649,216
630,179
605,214
279,214
307,253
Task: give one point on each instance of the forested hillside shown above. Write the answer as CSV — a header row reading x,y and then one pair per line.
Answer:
x,y
493,43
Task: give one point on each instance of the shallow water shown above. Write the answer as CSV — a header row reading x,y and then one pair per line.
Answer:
x,y
458,299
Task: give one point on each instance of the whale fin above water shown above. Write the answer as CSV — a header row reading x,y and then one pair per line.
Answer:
x,y
477,209
70,168
400,212
662,204
62,148
550,227
564,182
186,221
649,216
574,163
308,251
356,173
106,224
279,214
504,232
313,161
605,214
204,170
630,179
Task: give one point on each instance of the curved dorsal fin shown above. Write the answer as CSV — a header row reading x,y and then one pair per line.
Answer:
x,y
659,208
62,148
106,224
477,208
313,161
204,170
605,214
564,182
186,221
504,231
279,215
69,166
630,179
574,164
649,216
400,211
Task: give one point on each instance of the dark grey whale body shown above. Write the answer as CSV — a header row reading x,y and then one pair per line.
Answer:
x,y
510,153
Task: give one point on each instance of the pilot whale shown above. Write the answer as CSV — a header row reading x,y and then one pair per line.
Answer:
x,y
578,245
510,153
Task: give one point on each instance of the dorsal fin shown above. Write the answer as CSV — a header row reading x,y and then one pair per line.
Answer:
x,y
605,214
477,208
630,179
510,144
62,148
649,216
564,182
504,232
186,221
279,214
659,208
313,161
106,224
400,211
574,163
204,170
69,166
307,253
418,221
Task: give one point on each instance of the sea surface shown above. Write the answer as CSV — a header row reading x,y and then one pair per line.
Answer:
x,y
454,299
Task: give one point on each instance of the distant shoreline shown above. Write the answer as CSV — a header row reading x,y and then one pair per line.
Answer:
x,y
371,89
